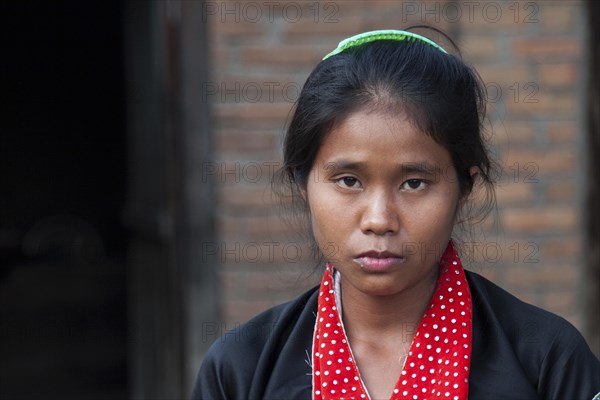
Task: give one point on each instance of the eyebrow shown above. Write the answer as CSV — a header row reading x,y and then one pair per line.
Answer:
x,y
406,168
422,167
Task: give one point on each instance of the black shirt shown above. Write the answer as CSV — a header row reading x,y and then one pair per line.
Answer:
x,y
519,352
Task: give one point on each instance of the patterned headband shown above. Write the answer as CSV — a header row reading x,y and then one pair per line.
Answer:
x,y
388,34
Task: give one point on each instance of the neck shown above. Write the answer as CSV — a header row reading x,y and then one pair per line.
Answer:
x,y
395,317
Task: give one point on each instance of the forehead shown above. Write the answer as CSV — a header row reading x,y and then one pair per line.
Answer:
x,y
380,137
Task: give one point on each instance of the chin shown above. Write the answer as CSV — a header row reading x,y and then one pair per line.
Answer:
x,y
381,290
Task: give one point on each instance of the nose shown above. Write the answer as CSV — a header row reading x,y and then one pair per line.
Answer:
x,y
380,215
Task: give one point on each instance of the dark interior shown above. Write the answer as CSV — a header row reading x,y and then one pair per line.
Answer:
x,y
63,173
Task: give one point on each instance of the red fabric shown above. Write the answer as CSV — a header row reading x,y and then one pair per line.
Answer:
x,y
437,366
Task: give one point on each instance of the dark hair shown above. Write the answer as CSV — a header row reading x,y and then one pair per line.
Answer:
x,y
439,93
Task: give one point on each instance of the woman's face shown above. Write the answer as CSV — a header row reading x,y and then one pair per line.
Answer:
x,y
383,198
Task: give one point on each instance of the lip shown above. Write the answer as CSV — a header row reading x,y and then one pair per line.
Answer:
x,y
378,261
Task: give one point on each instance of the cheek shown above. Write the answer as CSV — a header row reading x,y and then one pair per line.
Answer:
x,y
435,218
457,205
314,199
325,217
320,216
447,202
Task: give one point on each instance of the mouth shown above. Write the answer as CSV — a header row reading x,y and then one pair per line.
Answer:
x,y
378,261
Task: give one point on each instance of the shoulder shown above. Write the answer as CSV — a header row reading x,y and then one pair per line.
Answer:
x,y
526,326
519,319
505,305
250,337
244,354
548,350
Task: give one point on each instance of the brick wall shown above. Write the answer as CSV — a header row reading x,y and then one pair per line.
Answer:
x,y
532,61
530,54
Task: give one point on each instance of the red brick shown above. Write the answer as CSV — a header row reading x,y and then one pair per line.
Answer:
x,y
557,75
534,99
241,172
541,275
520,253
514,193
503,76
561,132
244,141
290,56
561,301
240,114
252,195
568,247
547,48
493,17
560,192
539,220
479,47
529,166
497,254
490,273
224,29
280,281
513,132
252,227
559,16
254,88
238,312
547,53
333,31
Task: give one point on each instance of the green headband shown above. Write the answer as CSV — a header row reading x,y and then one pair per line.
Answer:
x,y
388,34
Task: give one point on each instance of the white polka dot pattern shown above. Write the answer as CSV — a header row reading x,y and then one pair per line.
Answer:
x,y
438,362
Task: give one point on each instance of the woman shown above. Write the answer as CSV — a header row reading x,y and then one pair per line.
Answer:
x,y
384,150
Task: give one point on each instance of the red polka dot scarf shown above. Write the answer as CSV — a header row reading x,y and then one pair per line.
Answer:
x,y
438,361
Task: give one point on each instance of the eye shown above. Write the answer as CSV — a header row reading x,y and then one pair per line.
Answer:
x,y
414,185
348,182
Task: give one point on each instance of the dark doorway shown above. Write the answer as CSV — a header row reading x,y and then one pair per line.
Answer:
x,y
63,176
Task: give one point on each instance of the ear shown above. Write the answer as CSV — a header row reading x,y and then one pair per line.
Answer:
x,y
474,171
